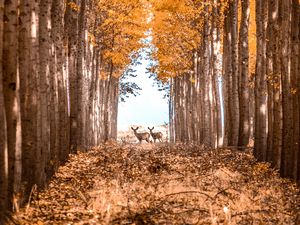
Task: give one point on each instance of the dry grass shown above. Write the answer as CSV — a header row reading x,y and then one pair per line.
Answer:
x,y
164,184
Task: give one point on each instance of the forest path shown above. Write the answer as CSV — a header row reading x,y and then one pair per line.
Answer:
x,y
163,184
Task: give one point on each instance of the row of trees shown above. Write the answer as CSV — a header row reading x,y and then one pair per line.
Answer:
x,y
60,63
233,77
277,82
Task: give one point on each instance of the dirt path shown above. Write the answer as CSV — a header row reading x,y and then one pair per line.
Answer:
x,y
162,184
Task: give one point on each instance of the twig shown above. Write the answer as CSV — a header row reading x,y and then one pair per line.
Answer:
x,y
188,192
33,189
83,198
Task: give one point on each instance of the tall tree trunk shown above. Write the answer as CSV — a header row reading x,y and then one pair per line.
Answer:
x,y
260,132
55,67
295,81
71,32
3,130
227,80
244,126
80,75
92,96
177,109
106,106
207,80
115,109
298,86
43,88
61,112
270,78
28,91
287,153
217,76
234,98
171,112
11,87
277,87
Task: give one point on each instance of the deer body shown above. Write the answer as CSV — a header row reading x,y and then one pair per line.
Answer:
x,y
155,135
141,136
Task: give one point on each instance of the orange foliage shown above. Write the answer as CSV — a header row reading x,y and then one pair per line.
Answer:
x,y
176,32
175,28
120,32
74,6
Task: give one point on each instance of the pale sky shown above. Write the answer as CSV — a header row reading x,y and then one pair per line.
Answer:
x,y
147,109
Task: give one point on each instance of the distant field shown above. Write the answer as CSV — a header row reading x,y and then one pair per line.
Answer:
x,y
127,136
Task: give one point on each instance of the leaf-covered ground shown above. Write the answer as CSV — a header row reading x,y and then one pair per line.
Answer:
x,y
164,184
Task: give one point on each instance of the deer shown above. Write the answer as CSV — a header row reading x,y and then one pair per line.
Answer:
x,y
141,136
155,135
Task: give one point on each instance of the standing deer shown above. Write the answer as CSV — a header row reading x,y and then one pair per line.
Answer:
x,y
141,136
155,135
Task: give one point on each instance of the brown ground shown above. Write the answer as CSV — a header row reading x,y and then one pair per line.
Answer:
x,y
164,184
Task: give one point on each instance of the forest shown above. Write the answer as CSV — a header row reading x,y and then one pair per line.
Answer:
x,y
231,71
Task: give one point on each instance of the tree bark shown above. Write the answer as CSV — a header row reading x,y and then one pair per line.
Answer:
x,y
295,82
217,77
244,126
60,97
287,151
80,76
11,88
3,131
227,80
260,132
71,36
234,98
43,90
28,92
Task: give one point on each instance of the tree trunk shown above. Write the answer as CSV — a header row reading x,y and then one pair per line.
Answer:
x,y
270,78
287,151
11,87
71,37
217,77
227,80
3,131
61,112
207,79
295,81
234,98
244,125
28,92
43,88
80,76
260,132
